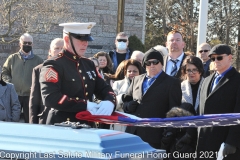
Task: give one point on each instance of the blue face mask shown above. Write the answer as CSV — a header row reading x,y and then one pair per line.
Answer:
x,y
122,46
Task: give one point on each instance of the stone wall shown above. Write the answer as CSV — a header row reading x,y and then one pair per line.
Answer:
x,y
104,13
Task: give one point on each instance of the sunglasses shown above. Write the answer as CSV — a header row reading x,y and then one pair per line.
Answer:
x,y
154,62
203,51
122,40
27,43
195,70
219,58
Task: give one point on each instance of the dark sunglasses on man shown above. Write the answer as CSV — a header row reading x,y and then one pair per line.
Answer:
x,y
122,40
203,51
27,43
219,58
154,62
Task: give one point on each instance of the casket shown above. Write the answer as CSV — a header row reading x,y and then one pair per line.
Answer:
x,y
33,141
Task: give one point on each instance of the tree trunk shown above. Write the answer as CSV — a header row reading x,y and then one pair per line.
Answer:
x,y
192,28
238,46
227,12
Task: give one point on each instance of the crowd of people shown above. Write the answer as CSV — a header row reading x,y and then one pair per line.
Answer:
x,y
162,82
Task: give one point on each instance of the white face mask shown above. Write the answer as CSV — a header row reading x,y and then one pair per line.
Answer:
x,y
122,46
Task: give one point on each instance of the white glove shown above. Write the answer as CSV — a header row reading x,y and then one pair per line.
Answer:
x,y
92,107
105,108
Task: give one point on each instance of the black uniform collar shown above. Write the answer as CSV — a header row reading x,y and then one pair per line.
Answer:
x,y
70,55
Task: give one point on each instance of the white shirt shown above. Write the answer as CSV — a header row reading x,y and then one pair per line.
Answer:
x,y
169,64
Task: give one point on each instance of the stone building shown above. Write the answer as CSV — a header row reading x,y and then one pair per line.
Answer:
x,y
104,13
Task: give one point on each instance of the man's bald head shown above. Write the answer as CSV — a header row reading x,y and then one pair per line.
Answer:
x,y
137,55
55,46
203,51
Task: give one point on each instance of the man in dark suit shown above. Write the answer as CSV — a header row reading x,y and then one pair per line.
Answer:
x,y
176,56
37,111
220,93
152,95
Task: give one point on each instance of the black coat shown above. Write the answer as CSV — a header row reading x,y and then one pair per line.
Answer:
x,y
37,111
178,74
225,98
67,83
161,96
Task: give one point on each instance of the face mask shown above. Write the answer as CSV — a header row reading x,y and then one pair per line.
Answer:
x,y
26,48
121,46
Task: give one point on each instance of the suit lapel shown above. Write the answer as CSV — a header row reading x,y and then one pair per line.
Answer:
x,y
160,78
140,83
209,84
178,75
219,85
165,63
2,90
223,81
204,92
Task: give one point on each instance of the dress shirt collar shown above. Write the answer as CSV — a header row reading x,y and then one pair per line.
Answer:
x,y
223,74
155,77
179,58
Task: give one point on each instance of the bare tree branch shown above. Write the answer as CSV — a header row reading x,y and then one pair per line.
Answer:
x,y
32,16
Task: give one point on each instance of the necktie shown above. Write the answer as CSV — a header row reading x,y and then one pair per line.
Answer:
x,y
149,83
174,67
216,80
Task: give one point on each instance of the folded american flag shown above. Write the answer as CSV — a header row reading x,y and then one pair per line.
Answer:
x,y
121,118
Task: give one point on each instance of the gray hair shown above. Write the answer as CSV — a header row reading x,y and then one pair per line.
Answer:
x,y
136,52
205,44
161,49
25,35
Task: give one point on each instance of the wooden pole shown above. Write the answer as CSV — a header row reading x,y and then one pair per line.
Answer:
x,y
120,19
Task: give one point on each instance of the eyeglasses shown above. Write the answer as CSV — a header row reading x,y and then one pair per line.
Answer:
x,y
195,70
122,40
27,43
203,51
219,58
154,62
